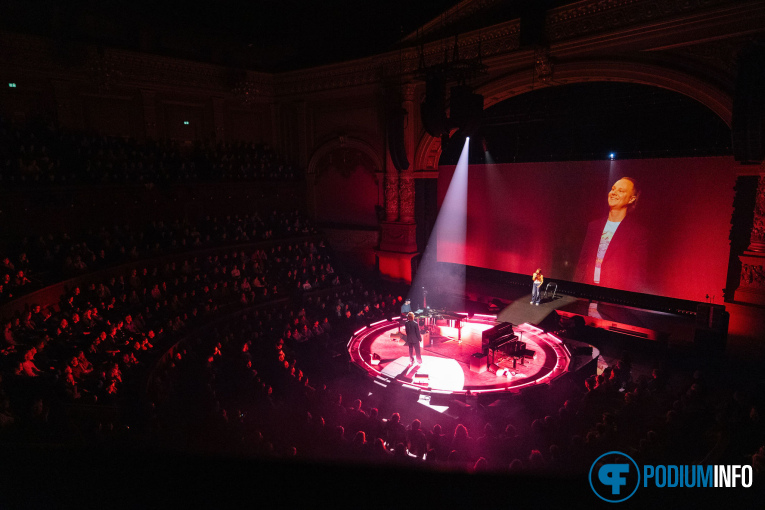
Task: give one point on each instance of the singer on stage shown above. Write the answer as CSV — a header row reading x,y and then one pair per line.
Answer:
x,y
537,280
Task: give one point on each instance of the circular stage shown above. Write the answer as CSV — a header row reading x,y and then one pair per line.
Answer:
x,y
448,361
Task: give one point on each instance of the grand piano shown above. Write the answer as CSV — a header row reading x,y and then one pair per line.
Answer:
x,y
431,317
502,337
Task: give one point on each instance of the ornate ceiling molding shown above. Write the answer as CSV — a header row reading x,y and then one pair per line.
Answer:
x,y
462,10
589,17
502,38
582,23
344,142
706,93
497,90
428,153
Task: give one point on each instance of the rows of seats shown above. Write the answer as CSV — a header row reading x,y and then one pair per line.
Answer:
x,y
96,344
29,264
40,154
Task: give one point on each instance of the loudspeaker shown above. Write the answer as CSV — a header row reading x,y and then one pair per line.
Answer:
x,y
433,108
748,119
396,147
711,331
494,368
465,108
711,317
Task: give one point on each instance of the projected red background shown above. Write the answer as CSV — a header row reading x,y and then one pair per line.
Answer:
x,y
529,215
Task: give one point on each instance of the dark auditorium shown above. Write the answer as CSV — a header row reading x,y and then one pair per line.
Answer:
x,y
404,254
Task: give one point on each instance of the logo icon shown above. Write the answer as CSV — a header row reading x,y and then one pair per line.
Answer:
x,y
614,477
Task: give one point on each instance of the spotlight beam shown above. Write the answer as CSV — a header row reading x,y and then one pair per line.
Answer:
x,y
449,234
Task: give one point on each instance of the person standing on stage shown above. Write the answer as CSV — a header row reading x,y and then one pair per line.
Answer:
x,y
406,307
413,338
537,280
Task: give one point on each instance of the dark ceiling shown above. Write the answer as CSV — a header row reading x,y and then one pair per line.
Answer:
x,y
584,121
267,35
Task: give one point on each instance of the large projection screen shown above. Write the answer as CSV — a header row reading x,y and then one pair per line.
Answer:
x,y
673,243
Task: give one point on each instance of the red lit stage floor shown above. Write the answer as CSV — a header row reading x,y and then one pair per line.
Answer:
x,y
446,361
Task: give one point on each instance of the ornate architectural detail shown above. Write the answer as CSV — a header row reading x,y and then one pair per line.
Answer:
x,y
391,196
751,287
595,16
406,197
543,68
757,239
350,240
714,98
720,55
399,237
495,40
753,276
353,150
462,10
428,153
345,161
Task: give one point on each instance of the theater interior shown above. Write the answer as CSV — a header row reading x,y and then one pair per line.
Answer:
x,y
215,218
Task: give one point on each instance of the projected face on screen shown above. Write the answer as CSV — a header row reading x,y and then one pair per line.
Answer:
x,y
622,196
656,226
614,250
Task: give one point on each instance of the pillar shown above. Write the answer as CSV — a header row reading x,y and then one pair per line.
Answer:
x,y
751,287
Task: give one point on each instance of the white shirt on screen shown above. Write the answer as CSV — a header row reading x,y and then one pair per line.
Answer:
x,y
605,240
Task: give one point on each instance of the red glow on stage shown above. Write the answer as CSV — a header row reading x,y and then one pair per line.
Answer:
x,y
446,361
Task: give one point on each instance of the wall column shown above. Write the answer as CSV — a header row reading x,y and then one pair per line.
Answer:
x,y
391,194
398,240
751,287
406,180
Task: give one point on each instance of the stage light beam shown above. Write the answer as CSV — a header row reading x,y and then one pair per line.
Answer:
x,y
449,233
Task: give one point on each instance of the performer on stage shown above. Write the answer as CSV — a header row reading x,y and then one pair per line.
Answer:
x,y
413,338
406,307
537,280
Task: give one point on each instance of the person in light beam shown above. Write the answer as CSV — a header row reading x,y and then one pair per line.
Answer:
x,y
413,338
